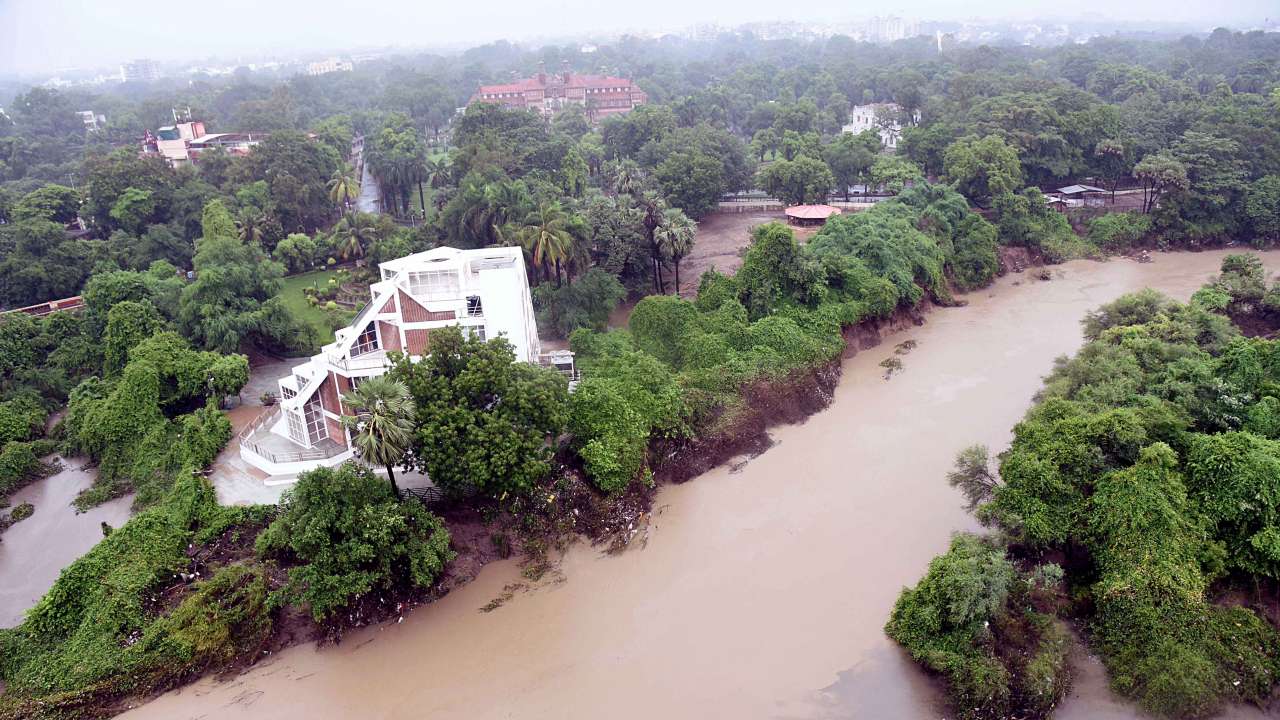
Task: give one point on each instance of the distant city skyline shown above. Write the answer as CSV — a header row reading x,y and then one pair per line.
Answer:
x,y
45,37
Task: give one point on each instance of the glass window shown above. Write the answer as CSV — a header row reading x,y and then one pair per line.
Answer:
x,y
315,419
287,392
297,428
474,308
474,331
367,342
434,283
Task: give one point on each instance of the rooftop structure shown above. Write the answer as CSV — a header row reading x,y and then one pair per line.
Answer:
x,y
183,142
600,95
810,214
485,292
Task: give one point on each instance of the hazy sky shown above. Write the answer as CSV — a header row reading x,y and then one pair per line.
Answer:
x,y
44,35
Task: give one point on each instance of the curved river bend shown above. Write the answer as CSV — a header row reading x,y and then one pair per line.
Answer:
x,y
761,593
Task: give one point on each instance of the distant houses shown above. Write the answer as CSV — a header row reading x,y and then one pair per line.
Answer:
x,y
599,95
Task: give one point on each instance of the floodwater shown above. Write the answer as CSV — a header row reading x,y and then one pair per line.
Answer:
x,y
34,551
760,593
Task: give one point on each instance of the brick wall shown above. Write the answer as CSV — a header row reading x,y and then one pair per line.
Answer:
x,y
335,431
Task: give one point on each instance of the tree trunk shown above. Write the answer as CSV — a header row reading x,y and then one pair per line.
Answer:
x,y
558,273
391,475
677,277
422,199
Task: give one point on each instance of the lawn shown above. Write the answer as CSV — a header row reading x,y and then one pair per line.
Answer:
x,y
297,303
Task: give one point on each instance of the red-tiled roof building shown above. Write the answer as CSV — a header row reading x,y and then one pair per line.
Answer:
x,y
601,95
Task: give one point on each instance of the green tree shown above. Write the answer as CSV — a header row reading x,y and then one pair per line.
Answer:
x,y
484,421
1262,208
351,536
850,160
893,173
805,180
982,168
382,426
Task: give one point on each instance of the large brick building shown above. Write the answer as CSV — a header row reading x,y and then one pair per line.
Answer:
x,y
601,95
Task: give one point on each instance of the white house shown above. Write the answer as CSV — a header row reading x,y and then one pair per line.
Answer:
x,y
863,117
485,292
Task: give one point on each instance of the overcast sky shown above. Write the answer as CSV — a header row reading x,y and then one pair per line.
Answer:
x,y
45,35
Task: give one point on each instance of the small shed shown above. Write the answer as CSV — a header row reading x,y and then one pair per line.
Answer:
x,y
810,214
1078,195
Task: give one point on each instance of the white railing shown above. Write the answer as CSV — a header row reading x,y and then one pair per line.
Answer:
x,y
370,361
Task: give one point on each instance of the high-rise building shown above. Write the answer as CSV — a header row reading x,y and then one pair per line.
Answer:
x,y
141,70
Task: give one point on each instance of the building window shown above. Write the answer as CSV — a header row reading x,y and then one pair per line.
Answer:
x,y
314,416
474,331
474,308
297,428
366,343
434,283
287,392
300,381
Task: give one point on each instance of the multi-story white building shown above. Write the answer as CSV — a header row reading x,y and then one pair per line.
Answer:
x,y
485,292
881,117
331,65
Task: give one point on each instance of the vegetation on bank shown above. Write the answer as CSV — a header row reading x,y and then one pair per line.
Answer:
x,y
1145,478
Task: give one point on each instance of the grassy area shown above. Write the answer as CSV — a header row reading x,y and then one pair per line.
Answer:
x,y
297,302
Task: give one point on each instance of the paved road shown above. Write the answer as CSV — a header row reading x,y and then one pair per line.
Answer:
x,y
369,193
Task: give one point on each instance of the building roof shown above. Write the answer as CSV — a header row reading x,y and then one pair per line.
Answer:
x,y
812,212
574,80
1076,189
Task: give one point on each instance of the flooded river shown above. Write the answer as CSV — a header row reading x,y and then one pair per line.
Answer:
x,y
761,593
34,551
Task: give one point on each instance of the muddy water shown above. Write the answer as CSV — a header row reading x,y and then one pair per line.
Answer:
x,y
34,551
760,593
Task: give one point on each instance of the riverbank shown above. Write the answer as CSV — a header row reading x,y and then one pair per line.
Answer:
x,y
783,569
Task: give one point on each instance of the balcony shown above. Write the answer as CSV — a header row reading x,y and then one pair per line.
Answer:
x,y
368,361
264,449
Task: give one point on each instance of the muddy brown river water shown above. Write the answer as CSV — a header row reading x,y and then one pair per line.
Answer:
x,y
760,593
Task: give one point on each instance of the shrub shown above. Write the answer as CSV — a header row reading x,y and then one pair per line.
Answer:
x,y
350,535
1117,232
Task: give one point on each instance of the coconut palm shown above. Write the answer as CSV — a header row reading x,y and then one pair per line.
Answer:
x,y
547,236
382,428
675,234
343,188
354,233
249,224
651,208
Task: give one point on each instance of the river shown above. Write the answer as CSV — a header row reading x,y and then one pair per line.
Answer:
x,y
761,592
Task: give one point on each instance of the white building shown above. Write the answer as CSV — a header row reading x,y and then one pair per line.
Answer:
x,y
485,292
330,65
864,117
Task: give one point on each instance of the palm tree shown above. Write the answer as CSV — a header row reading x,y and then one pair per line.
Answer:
x,y
382,428
249,224
652,208
627,179
355,232
547,238
343,188
675,234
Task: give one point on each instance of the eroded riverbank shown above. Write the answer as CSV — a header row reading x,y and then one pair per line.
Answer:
x,y
760,593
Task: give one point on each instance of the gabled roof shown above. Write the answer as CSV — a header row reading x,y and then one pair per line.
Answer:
x,y
812,212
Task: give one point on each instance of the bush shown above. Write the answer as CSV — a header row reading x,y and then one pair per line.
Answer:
x,y
20,464
1117,232
350,535
957,620
20,419
625,400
